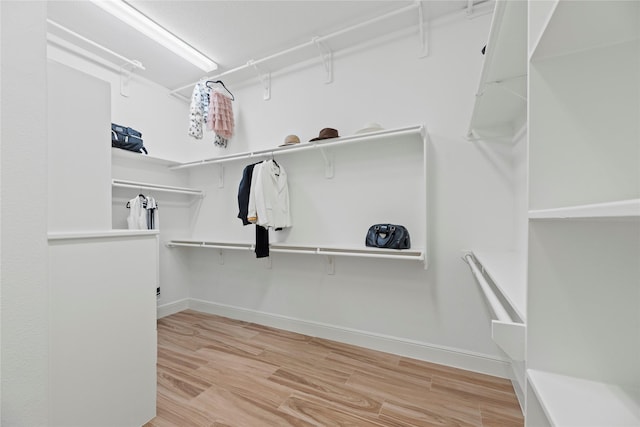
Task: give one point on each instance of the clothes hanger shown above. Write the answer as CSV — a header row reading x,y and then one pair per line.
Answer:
x,y
273,159
221,82
142,196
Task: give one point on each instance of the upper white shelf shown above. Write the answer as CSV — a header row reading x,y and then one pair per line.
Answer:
x,y
410,132
619,209
600,23
121,155
499,112
570,401
509,273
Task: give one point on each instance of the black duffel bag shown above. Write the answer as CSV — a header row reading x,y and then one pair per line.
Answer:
x,y
127,138
389,236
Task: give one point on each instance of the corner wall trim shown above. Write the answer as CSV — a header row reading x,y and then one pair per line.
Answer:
x,y
408,348
173,307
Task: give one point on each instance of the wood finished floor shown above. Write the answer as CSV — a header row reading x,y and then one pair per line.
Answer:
x,y
214,371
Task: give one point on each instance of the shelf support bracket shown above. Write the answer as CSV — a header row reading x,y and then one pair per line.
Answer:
x,y
500,84
265,79
126,70
331,265
221,176
326,56
328,163
125,77
221,257
469,7
423,33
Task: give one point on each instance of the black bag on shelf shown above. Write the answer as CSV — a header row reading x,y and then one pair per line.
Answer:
x,y
389,236
127,139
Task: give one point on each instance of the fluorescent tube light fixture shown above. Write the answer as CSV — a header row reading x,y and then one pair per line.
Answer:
x,y
149,28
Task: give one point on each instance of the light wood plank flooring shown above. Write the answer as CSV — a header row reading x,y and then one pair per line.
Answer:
x,y
214,371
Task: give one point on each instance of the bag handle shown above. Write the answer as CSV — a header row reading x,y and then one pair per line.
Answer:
x,y
388,230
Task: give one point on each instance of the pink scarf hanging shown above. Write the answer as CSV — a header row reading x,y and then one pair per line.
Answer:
x,y
220,117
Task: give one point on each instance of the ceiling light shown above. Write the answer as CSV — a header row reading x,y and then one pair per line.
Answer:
x,y
146,26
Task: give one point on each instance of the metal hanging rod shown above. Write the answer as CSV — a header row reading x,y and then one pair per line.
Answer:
x,y
132,62
312,43
496,306
155,187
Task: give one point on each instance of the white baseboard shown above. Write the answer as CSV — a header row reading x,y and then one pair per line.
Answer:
x,y
457,358
173,307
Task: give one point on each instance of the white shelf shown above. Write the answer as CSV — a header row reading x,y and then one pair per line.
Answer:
x,y
570,401
575,26
126,155
620,209
412,132
500,106
210,245
508,271
366,252
405,254
73,235
156,187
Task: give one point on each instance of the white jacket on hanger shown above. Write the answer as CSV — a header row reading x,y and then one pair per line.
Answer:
x,y
137,219
269,196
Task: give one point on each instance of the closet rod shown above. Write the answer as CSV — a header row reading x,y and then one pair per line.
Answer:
x,y
135,63
310,43
491,297
154,187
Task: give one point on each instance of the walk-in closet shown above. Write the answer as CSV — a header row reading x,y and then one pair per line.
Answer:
x,y
385,213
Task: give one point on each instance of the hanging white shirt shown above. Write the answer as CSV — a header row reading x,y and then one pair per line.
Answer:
x,y
143,214
137,219
153,219
269,196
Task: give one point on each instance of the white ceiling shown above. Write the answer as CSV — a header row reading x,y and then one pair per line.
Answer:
x,y
229,32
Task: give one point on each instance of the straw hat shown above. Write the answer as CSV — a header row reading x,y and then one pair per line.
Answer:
x,y
290,140
370,127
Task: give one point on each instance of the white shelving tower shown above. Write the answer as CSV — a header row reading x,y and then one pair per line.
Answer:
x,y
583,301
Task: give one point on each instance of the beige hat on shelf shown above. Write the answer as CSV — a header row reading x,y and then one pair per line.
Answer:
x,y
370,127
291,140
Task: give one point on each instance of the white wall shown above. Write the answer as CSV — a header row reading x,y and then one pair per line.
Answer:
x,y
78,148
23,265
471,196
